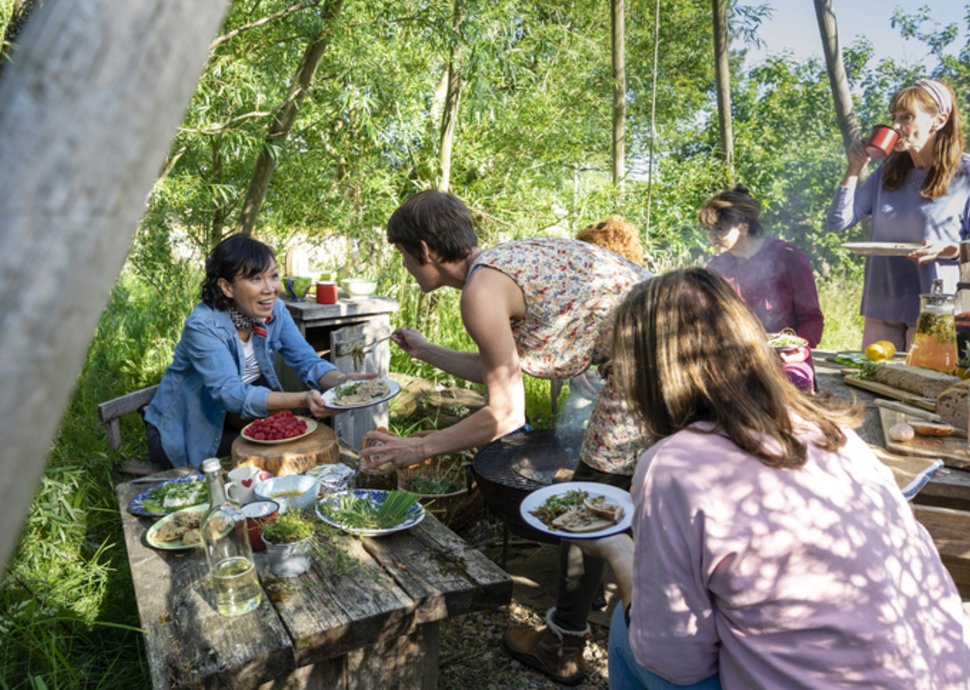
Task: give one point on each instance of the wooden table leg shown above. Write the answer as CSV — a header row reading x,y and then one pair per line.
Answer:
x,y
408,662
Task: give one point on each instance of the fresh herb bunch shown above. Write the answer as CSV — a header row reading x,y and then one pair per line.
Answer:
x,y
363,513
291,526
558,504
446,475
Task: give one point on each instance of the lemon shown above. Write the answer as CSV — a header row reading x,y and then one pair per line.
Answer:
x,y
888,347
880,350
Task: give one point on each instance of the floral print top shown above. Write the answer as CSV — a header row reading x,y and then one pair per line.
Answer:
x,y
571,289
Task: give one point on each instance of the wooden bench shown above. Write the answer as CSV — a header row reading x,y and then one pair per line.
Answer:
x,y
110,413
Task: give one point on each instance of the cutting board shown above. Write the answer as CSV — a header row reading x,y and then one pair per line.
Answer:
x,y
890,392
951,449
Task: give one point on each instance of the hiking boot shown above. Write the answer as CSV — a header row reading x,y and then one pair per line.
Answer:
x,y
556,652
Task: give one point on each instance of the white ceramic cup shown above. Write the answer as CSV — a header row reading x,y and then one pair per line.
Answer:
x,y
242,481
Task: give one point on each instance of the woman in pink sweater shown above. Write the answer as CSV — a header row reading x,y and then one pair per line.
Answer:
x,y
770,548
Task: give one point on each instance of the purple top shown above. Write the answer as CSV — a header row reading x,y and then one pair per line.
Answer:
x,y
893,283
815,577
778,286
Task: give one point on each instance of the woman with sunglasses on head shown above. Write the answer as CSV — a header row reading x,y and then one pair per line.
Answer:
x,y
773,277
920,194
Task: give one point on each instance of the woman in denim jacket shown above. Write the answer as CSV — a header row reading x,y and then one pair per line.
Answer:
x,y
222,374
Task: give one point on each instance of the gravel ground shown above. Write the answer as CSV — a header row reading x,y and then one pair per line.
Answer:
x,y
471,655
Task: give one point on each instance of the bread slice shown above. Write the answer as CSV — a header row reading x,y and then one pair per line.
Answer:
x,y
952,404
924,382
931,428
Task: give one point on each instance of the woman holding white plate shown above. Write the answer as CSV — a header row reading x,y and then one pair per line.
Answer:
x,y
920,194
770,547
222,374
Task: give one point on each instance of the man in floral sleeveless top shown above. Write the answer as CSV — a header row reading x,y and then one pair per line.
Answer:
x,y
543,307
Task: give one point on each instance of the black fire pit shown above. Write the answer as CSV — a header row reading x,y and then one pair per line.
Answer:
x,y
510,468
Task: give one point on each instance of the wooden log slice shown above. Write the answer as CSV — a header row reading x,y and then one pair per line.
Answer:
x,y
296,457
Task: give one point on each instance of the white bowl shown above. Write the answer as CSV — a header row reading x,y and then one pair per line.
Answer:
x,y
293,491
358,288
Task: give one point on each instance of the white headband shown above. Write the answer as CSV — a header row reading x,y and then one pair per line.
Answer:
x,y
939,93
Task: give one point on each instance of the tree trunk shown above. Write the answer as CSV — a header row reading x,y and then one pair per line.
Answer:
x,y
78,157
653,118
839,83
619,94
283,121
722,73
449,115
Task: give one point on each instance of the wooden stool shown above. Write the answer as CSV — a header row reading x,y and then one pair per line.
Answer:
x,y
294,457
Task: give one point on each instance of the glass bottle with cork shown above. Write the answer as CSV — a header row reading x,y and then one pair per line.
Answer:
x,y
227,549
935,343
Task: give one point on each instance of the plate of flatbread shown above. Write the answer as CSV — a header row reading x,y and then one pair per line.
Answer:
x,y
578,510
179,530
882,248
356,394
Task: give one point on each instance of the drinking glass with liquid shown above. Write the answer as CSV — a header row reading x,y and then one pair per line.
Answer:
x,y
227,549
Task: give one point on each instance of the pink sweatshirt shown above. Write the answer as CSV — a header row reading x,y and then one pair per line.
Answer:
x,y
816,577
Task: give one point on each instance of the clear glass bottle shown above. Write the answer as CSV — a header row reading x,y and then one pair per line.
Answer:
x,y
227,549
935,343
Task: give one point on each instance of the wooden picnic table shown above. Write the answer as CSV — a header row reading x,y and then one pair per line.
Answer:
x,y
375,628
942,506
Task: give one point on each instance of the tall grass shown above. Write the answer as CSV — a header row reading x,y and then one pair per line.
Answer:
x,y
840,297
67,612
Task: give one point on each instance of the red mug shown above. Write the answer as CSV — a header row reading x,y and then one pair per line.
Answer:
x,y
257,514
881,141
326,293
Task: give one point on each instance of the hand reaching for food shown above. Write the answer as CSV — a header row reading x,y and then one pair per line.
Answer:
x,y
383,448
410,340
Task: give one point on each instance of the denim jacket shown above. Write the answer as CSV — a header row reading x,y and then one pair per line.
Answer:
x,y
204,381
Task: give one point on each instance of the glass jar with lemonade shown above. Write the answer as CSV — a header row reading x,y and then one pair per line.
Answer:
x,y
935,343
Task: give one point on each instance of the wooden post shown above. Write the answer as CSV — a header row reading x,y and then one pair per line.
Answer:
x,y
91,97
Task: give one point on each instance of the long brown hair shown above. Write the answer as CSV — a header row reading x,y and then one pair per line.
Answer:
x,y
686,349
947,149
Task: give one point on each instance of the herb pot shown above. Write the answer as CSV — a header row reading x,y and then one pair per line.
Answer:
x,y
456,503
288,560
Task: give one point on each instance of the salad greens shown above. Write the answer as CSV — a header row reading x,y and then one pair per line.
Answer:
x,y
352,511
558,504
170,497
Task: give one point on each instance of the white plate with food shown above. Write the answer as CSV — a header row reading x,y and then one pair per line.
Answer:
x,y
179,530
356,394
170,495
578,510
882,248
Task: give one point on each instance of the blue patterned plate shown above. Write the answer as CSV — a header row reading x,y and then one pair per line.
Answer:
x,y
137,505
376,497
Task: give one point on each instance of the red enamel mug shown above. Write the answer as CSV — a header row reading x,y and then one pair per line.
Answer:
x,y
881,141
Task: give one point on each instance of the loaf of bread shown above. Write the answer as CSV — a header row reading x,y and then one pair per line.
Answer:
x,y
953,404
924,382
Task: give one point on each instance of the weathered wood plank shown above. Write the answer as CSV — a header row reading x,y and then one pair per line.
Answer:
x,y
445,577
189,643
132,402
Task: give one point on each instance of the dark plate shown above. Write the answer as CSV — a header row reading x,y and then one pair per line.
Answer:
x,y
136,505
